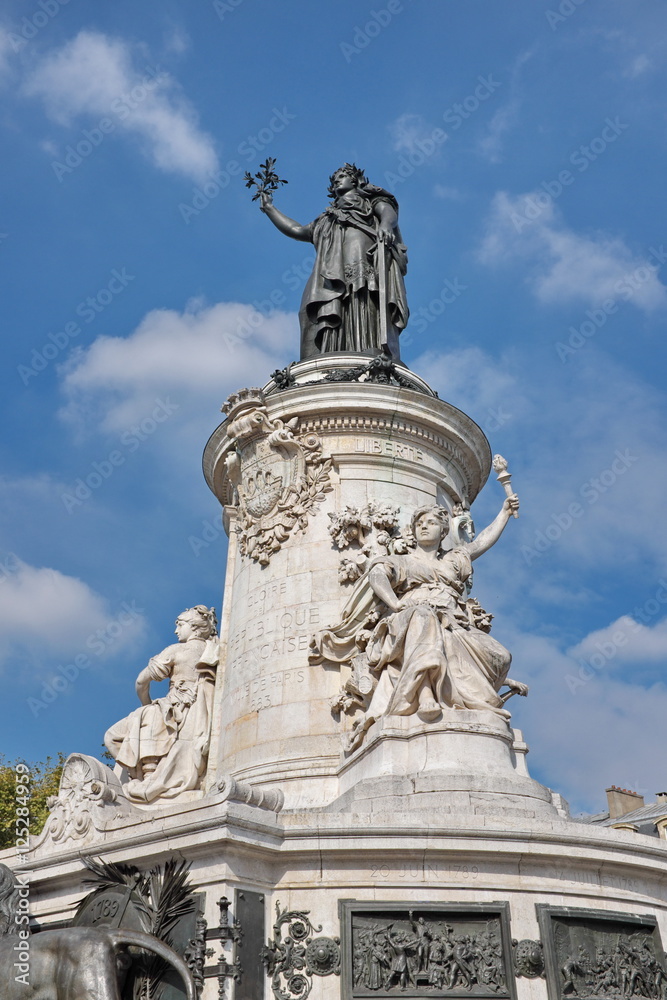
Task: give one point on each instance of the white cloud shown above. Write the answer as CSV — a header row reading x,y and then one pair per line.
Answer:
x,y
584,739
473,381
46,615
408,132
490,145
627,640
561,265
95,76
639,65
197,357
6,49
177,41
447,193
504,119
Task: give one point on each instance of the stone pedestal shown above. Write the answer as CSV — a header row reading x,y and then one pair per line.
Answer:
x,y
366,443
310,844
465,763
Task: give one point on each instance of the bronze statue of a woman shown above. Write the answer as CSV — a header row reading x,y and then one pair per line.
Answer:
x,y
355,298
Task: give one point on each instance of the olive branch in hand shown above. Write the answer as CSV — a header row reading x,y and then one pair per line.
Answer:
x,y
266,180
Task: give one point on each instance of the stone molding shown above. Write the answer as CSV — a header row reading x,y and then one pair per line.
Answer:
x,y
330,409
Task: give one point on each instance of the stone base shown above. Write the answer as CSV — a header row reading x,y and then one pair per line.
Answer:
x,y
467,762
318,861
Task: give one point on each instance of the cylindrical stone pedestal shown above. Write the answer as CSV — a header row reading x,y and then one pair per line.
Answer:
x,y
284,465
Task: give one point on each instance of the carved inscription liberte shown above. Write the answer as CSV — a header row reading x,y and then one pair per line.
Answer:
x,y
375,446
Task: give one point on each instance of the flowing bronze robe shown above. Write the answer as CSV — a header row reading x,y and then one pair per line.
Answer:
x,y
340,305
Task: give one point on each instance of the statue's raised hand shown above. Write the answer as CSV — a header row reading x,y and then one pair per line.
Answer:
x,y
511,504
265,201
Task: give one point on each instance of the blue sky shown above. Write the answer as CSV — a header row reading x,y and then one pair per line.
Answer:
x,y
526,145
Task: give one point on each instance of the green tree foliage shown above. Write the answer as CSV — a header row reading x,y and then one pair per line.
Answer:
x,y
44,779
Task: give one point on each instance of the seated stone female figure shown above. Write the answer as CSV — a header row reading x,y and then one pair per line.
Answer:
x,y
163,744
426,650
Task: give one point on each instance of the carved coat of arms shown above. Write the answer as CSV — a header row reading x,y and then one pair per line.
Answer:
x,y
279,476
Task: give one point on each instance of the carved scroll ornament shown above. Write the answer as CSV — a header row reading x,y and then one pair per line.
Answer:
x,y
294,955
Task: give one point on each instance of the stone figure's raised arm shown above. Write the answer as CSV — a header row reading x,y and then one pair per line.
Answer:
x,y
490,535
283,222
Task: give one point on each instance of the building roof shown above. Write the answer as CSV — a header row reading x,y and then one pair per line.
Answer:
x,y
644,818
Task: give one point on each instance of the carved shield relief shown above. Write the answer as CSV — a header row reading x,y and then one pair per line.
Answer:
x,y
266,471
279,477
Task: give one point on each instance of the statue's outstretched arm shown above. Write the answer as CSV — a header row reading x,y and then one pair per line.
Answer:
x,y
490,535
283,222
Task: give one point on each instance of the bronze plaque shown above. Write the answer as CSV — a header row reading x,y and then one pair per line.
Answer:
x,y
598,953
455,950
